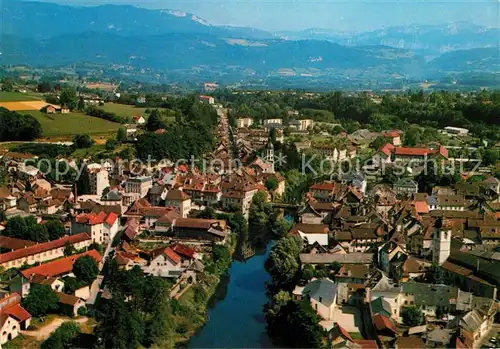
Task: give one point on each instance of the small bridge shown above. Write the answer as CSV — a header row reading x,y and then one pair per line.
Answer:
x,y
285,206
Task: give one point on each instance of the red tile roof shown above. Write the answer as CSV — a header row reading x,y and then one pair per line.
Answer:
x,y
156,211
413,151
111,218
18,312
67,299
13,243
383,323
176,194
10,306
43,247
91,218
421,207
387,149
60,266
160,131
323,186
309,228
183,168
392,134
195,223
167,252
366,344
344,332
184,251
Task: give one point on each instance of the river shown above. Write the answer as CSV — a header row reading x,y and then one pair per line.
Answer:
x,y
236,319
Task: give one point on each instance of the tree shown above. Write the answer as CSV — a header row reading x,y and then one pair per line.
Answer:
x,y
86,269
111,144
7,85
16,227
379,142
55,229
82,141
435,274
27,229
490,157
293,323
81,104
44,87
441,311
283,261
273,135
271,184
62,337
258,218
412,316
71,284
40,301
391,175
121,327
155,121
121,135
83,181
307,272
18,127
412,137
207,213
68,98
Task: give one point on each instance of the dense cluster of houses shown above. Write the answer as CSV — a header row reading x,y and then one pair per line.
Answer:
x,y
145,215
250,137
390,249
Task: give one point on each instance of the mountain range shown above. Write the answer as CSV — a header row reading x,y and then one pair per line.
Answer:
x,y
38,33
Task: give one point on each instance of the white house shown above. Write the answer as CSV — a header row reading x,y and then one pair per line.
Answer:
x,y
322,293
164,263
311,233
207,99
244,122
101,227
180,200
99,178
139,119
13,317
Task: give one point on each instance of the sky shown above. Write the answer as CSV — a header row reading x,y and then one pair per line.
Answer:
x,y
339,15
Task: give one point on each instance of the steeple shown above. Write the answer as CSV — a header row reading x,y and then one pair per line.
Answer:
x,y
270,155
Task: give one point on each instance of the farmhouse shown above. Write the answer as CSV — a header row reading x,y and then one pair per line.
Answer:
x,y
13,317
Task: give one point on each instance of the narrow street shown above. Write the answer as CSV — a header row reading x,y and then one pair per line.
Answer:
x,y
45,331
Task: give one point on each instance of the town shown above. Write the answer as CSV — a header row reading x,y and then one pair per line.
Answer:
x,y
382,231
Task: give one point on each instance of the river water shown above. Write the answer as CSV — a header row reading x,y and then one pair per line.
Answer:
x,y
236,318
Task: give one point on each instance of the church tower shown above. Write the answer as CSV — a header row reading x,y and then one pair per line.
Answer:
x,y
441,243
270,157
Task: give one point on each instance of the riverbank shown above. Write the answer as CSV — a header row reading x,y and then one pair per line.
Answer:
x,y
236,318
194,303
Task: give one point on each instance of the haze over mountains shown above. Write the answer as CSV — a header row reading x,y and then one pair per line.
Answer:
x,y
49,34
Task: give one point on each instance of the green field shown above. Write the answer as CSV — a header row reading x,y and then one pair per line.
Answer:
x,y
124,110
71,124
18,96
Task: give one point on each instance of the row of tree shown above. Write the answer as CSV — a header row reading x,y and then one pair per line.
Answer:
x,y
27,228
182,141
141,314
479,112
18,127
106,115
290,323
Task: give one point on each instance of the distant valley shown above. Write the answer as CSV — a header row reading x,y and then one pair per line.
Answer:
x,y
185,45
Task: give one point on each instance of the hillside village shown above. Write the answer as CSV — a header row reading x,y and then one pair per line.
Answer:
x,y
383,265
